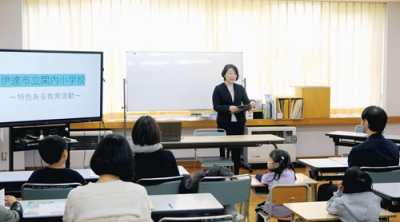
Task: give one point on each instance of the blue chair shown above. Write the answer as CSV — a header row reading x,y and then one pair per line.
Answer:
x,y
358,129
229,191
388,174
161,185
40,191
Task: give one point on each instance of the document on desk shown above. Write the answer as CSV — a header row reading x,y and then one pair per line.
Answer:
x,y
44,208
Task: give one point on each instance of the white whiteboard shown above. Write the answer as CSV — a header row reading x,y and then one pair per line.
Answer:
x,y
170,81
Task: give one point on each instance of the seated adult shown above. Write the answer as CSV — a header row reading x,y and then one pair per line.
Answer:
x,y
14,214
376,151
113,195
150,158
53,150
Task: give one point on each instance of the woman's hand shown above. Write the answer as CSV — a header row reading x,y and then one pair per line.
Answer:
x,y
253,104
233,109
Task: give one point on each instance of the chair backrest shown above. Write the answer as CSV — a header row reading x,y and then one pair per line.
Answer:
x,y
229,191
227,217
389,174
288,193
161,185
210,132
39,191
358,129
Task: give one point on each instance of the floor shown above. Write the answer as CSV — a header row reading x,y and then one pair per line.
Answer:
x,y
256,199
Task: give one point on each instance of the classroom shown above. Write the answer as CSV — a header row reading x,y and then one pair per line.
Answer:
x,y
311,138
311,133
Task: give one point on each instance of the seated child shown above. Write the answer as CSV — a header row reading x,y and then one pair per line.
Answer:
x,y
53,150
354,199
281,171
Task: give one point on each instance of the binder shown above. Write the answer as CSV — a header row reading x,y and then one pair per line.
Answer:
x,y
286,108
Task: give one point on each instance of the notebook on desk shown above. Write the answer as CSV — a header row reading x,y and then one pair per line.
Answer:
x,y
170,131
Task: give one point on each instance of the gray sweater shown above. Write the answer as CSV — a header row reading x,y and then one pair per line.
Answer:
x,y
7,215
359,207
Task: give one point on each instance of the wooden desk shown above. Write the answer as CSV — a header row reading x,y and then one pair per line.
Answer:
x,y
345,138
300,178
390,191
316,211
222,141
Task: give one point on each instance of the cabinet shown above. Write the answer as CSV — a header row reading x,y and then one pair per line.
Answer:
x,y
316,101
260,155
289,107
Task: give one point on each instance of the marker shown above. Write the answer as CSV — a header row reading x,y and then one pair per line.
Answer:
x,y
170,206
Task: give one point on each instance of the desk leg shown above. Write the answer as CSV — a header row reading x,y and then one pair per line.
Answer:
x,y
336,150
314,187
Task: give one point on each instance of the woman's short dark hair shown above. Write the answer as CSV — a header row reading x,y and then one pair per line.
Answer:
x,y
113,155
51,149
146,131
227,67
356,181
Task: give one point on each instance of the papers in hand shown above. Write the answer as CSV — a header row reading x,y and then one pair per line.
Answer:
x,y
242,108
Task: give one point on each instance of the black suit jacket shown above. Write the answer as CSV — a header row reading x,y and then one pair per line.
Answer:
x,y
222,99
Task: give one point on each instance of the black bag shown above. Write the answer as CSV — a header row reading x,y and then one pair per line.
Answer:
x,y
325,191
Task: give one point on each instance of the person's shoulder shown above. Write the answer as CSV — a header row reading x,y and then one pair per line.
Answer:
x,y
219,86
360,146
79,191
74,173
38,172
132,186
71,171
163,151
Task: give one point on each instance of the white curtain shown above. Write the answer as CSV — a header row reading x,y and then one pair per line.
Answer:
x,y
284,43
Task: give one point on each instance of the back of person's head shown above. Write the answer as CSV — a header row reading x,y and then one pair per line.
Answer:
x,y
146,131
113,155
356,181
51,149
376,118
227,67
281,157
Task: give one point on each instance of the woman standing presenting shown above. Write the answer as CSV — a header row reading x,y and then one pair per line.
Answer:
x,y
227,96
